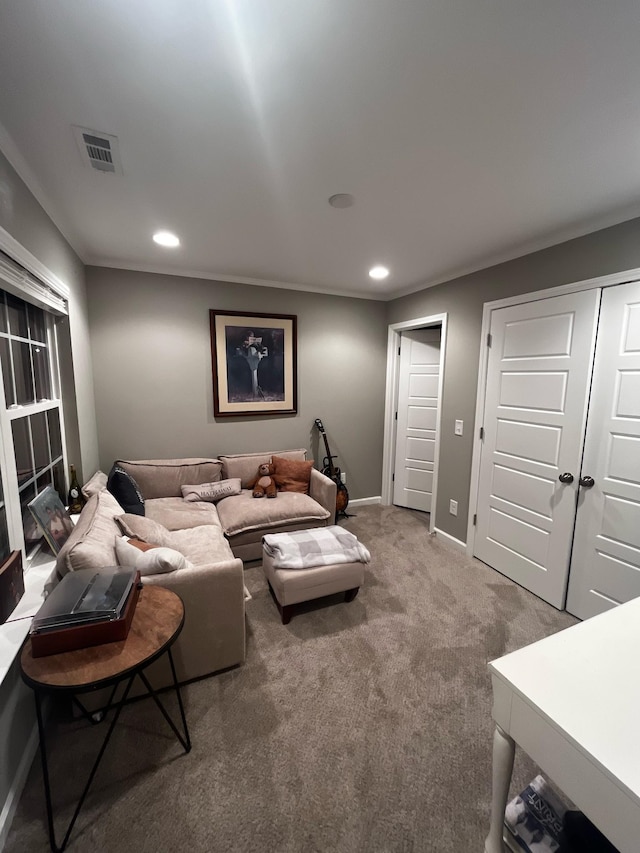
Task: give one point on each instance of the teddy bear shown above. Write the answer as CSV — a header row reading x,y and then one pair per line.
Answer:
x,y
263,483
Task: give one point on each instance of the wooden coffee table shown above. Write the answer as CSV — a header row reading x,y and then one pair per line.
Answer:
x,y
157,622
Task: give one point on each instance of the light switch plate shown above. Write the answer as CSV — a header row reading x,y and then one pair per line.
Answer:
x,y
458,427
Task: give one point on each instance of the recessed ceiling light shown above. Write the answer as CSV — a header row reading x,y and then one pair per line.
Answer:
x,y
378,272
342,200
166,238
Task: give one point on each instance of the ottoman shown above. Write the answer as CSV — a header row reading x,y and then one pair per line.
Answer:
x,y
291,586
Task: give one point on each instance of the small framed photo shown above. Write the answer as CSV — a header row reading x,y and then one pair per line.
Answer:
x,y
254,363
53,518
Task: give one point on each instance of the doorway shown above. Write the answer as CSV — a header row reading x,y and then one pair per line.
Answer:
x,y
415,369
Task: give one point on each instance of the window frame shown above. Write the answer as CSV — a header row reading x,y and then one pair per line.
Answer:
x,y
12,489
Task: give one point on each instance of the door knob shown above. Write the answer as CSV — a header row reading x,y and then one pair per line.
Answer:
x,y
566,477
587,482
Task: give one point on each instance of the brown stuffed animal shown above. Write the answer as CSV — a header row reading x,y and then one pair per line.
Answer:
x,y
263,483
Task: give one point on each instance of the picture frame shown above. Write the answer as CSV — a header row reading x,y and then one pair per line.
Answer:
x,y
254,360
51,515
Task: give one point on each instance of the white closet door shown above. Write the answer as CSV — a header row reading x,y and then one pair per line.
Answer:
x,y
605,566
535,413
417,418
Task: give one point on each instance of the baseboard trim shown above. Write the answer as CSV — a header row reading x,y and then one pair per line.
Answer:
x,y
376,499
13,797
451,540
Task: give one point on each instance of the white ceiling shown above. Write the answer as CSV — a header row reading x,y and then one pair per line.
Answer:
x,y
469,131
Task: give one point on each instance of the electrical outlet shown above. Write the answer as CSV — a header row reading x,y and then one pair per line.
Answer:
x,y
453,507
458,427
343,478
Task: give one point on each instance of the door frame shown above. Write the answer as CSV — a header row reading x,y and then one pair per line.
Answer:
x,y
391,403
627,276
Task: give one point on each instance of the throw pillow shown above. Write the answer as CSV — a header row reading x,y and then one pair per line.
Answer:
x,y
125,490
212,491
291,475
153,562
146,529
95,484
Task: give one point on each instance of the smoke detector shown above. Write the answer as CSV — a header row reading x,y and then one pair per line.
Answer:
x,y
100,151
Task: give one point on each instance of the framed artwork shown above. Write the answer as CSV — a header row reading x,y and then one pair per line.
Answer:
x,y
53,518
254,363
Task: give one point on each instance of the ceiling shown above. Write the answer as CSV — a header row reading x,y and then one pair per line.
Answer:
x,y
468,131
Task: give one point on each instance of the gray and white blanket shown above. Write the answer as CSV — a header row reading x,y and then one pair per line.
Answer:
x,y
320,546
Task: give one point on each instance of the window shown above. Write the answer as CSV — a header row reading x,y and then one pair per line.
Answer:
x,y
31,417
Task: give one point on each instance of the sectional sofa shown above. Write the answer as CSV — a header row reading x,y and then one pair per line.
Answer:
x,y
213,537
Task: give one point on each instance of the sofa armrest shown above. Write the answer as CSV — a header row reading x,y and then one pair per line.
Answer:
x,y
323,490
213,636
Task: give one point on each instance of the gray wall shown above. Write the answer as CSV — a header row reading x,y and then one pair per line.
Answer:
x,y
153,376
610,250
25,220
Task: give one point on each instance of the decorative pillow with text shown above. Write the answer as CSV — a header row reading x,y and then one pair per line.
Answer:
x,y
212,492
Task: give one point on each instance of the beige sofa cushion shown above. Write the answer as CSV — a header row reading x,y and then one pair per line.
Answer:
x,y
92,541
241,513
200,545
164,478
245,465
203,545
178,514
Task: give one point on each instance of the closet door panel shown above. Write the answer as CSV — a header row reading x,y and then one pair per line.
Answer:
x,y
605,564
535,412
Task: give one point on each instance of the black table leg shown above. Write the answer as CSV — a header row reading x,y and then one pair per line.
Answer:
x,y
45,770
186,740
96,716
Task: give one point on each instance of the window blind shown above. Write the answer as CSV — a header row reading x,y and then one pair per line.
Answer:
x,y
24,285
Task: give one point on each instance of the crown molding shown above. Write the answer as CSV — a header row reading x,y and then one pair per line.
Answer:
x,y
565,235
233,279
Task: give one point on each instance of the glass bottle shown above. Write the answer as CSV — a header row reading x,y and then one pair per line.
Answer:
x,y
75,498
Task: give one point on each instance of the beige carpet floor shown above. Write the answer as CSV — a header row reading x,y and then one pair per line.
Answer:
x,y
357,728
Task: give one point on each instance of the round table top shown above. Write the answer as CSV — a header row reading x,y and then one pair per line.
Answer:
x,y
157,621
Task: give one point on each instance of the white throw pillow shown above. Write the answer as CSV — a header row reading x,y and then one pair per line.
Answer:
x,y
212,491
155,561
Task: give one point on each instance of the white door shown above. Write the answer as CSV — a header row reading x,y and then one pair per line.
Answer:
x,y
418,386
534,420
605,565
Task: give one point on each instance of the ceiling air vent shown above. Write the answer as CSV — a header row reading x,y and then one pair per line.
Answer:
x,y
98,150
